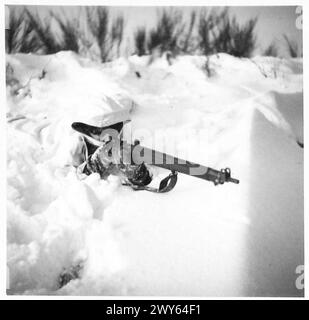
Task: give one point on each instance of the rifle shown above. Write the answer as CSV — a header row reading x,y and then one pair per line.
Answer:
x,y
138,155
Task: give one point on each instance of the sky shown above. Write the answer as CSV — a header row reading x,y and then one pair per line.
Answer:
x,y
273,21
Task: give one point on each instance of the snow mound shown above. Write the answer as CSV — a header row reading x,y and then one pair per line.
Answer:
x,y
198,240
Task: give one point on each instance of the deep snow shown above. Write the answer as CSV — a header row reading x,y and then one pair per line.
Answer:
x,y
198,240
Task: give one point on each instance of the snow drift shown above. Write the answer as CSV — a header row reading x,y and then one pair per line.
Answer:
x,y
198,240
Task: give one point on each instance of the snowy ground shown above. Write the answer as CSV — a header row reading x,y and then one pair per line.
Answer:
x,y
198,240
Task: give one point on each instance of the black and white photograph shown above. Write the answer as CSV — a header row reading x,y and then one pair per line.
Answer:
x,y
154,151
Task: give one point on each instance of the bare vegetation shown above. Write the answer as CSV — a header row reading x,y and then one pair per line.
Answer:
x,y
140,41
117,34
166,35
44,38
108,35
218,32
206,33
271,50
188,44
70,30
98,20
20,36
30,33
292,47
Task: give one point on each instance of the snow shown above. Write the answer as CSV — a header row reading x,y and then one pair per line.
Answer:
x,y
197,240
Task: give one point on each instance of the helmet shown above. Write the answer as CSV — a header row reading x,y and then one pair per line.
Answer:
x,y
110,115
